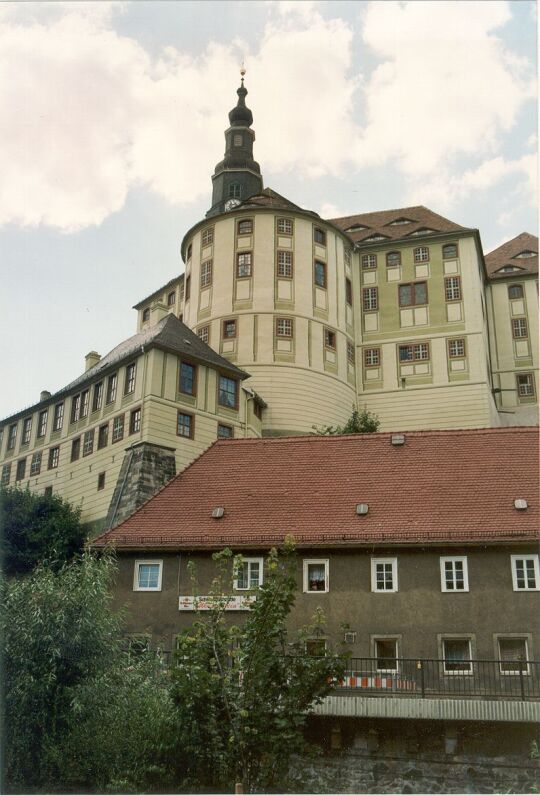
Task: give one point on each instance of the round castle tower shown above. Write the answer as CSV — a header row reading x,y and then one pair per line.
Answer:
x,y
269,286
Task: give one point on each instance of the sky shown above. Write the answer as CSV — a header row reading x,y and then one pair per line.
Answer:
x,y
112,117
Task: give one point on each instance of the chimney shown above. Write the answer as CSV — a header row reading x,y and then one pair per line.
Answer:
x,y
44,395
91,359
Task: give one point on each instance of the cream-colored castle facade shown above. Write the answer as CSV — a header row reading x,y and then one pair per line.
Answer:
x,y
282,321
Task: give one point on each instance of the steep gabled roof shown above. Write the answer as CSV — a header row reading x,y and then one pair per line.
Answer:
x,y
387,223
507,256
169,334
440,487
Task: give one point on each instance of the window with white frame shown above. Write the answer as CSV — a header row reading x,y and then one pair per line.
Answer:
x,y
285,226
147,575
457,655
316,578
249,574
525,572
206,273
369,261
513,655
285,264
421,254
386,653
384,575
284,327
370,298
456,348
454,574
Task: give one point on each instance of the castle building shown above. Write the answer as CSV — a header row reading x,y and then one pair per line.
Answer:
x,y
283,321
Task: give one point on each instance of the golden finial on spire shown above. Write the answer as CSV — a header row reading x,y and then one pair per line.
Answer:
x,y
242,72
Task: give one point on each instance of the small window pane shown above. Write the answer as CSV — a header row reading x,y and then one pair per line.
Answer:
x,y
148,575
316,576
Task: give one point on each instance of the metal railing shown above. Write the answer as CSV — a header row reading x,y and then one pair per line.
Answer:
x,y
430,678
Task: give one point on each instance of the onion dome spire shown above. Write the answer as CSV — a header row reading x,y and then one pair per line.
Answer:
x,y
241,116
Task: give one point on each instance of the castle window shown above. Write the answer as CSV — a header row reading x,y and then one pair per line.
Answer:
x,y
98,396
185,425
414,353
42,423
456,348
284,226
203,333
245,226
229,329
284,327
171,298
372,357
146,315
118,428
414,294
85,400
58,418
27,430
329,339
111,388
452,288
225,431
238,140
103,436
235,190
450,251
135,421
525,385
369,261
188,378
75,449
393,259
35,464
285,264
243,265
54,457
350,353
101,481
88,443
228,392
319,235
515,291
188,288
348,291
320,273
6,473
370,298
129,384
421,254
21,469
207,236
519,328
347,256
12,436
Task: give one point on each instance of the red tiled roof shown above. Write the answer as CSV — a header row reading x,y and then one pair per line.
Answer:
x,y
439,487
380,223
507,255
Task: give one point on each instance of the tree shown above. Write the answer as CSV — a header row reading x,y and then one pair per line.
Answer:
x,y
359,422
243,694
36,527
79,715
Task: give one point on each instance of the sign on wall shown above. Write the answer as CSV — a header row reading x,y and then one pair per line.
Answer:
x,y
193,603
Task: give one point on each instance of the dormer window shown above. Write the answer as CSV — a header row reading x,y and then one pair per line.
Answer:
x,y
400,222
373,238
526,254
423,231
146,315
356,228
509,269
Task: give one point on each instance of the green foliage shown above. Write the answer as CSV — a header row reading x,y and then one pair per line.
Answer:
x,y
359,422
37,528
78,715
242,694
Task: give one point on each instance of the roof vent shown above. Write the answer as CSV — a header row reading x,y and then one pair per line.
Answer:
x,y
44,395
218,512
398,439
521,505
362,509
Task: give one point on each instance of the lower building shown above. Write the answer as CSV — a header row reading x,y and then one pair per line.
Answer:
x,y
421,549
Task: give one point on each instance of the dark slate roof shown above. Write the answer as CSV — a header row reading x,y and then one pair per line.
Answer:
x,y
270,198
170,334
380,223
159,291
507,255
308,487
